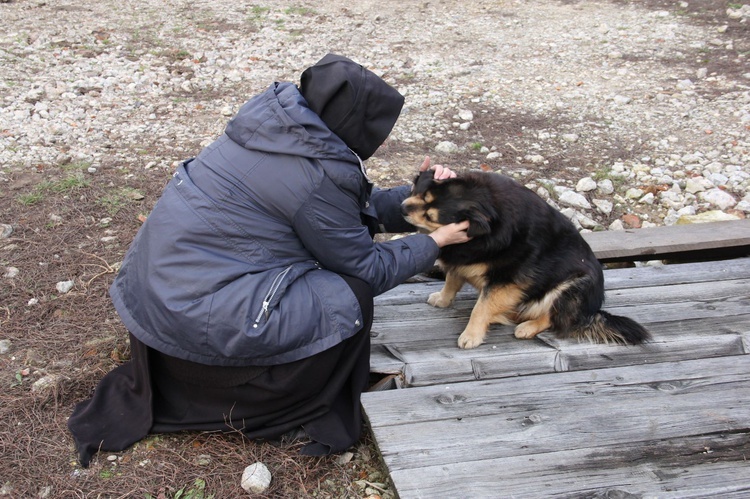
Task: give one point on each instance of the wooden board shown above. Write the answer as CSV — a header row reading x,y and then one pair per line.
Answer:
x,y
646,429
711,301
731,238
553,417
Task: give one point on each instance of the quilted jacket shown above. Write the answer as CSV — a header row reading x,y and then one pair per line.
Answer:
x,y
239,262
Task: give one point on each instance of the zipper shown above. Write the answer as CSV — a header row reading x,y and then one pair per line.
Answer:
x,y
272,291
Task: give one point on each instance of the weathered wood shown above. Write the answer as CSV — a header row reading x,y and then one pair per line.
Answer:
x,y
569,433
678,241
701,467
555,417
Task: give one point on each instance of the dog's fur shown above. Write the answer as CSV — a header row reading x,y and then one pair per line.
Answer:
x,y
528,262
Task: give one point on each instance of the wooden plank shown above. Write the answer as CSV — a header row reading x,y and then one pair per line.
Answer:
x,y
681,273
582,429
677,468
483,398
419,322
439,360
671,241
428,363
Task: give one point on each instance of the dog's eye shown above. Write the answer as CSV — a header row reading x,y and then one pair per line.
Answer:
x,y
428,216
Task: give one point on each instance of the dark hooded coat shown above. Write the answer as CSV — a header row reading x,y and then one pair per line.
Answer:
x,y
239,262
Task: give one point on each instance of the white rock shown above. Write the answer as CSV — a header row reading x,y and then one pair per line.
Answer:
x,y
586,184
64,286
465,115
446,147
572,198
621,99
570,137
586,222
685,85
45,383
5,231
721,199
633,193
647,199
494,155
4,346
617,225
603,206
743,206
605,186
11,272
708,216
256,478
697,184
537,159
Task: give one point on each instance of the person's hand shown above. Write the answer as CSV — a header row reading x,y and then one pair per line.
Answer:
x,y
451,234
441,172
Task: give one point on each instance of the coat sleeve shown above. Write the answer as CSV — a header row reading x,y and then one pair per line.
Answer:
x,y
330,227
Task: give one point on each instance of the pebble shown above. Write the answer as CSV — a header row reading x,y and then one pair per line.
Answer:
x,y
64,286
11,272
586,184
574,199
446,147
256,478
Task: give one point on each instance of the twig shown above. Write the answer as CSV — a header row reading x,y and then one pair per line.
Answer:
x,y
108,269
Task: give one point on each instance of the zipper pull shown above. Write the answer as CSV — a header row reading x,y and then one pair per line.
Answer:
x,y
263,311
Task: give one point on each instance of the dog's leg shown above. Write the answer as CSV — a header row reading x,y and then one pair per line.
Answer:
x,y
495,305
529,329
479,323
444,298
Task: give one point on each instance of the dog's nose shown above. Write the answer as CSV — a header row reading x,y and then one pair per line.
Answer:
x,y
405,209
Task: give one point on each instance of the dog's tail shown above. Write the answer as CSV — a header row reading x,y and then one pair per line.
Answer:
x,y
607,328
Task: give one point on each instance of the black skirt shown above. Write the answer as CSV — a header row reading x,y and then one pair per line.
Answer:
x,y
156,393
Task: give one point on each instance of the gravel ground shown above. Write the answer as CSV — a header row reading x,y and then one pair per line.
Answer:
x,y
622,113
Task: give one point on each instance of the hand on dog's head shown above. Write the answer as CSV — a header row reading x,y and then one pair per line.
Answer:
x,y
434,203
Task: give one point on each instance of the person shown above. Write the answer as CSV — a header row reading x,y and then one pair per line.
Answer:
x,y
248,291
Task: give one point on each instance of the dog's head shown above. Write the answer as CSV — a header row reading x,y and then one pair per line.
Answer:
x,y
434,203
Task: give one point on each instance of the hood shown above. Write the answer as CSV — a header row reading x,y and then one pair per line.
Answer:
x,y
279,121
355,104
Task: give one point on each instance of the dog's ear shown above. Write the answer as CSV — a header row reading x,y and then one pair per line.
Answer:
x,y
479,224
481,217
423,182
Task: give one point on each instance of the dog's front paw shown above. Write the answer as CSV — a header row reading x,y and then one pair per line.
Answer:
x,y
437,300
469,340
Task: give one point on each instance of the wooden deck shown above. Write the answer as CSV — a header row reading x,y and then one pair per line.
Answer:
x,y
546,417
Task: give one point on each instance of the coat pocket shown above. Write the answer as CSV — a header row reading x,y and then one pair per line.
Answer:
x,y
276,290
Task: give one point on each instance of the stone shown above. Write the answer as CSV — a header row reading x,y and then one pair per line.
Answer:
x,y
706,216
572,198
64,286
446,147
718,198
256,478
586,184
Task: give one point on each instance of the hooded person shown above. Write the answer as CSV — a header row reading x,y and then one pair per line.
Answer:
x,y
248,291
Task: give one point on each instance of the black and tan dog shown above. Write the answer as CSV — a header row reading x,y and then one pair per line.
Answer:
x,y
528,262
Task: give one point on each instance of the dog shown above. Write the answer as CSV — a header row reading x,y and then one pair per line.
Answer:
x,y
529,264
